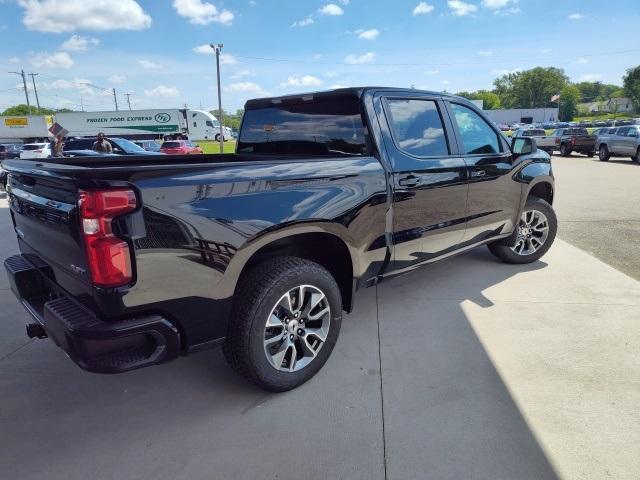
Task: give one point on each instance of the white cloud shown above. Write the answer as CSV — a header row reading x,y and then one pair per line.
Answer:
x,y
69,15
14,60
55,60
150,65
485,53
117,78
460,8
497,4
432,72
227,59
504,71
360,59
337,85
245,87
305,22
422,8
78,43
202,13
331,9
445,82
82,85
370,34
576,16
331,74
304,81
590,77
205,48
244,73
582,61
162,91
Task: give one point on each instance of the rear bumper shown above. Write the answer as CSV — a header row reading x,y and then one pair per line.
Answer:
x,y
93,344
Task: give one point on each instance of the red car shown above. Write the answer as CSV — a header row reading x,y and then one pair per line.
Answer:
x,y
179,147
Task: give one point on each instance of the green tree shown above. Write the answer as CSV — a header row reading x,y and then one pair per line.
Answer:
x,y
595,91
23,109
530,88
569,99
490,100
631,82
231,120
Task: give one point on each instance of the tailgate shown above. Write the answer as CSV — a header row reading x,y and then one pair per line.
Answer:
x,y
45,218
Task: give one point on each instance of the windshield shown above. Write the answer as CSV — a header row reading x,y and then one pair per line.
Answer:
x,y
127,146
34,146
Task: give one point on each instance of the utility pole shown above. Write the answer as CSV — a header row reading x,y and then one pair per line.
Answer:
x,y
115,99
35,89
218,48
128,95
26,92
81,104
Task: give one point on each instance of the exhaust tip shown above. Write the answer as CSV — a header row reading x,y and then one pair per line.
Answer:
x,y
35,330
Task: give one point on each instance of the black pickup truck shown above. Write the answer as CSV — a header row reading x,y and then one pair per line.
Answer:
x,y
131,261
575,139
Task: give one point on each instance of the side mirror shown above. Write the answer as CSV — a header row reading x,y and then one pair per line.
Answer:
x,y
523,146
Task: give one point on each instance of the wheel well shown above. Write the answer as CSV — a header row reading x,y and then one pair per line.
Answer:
x,y
542,190
322,248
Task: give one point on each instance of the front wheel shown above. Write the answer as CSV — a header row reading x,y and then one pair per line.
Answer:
x,y
285,322
603,153
533,236
636,158
590,154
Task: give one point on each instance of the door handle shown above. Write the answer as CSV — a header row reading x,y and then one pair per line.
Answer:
x,y
478,173
409,181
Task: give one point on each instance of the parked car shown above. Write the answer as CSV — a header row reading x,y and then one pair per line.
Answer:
x,y
575,139
120,146
543,141
149,145
180,147
10,150
85,153
35,150
625,141
599,123
262,250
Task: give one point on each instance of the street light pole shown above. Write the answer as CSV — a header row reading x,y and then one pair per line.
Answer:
x,y
26,92
218,48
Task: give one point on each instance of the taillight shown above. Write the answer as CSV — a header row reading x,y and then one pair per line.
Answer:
x,y
108,257
573,140
557,140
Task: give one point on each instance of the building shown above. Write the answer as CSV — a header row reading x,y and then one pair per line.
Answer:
x,y
613,105
523,115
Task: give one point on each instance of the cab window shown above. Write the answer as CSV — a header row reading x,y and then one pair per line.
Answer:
x,y
417,127
209,123
477,136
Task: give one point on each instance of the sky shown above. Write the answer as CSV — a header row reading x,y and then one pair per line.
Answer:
x,y
157,50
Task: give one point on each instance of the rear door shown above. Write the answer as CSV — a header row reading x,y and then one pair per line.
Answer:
x,y
620,141
494,197
428,178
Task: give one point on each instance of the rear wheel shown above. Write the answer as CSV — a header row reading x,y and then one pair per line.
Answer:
x,y
533,236
590,154
636,158
565,150
285,322
603,153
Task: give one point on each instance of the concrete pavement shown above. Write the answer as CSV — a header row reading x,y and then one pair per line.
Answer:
x,y
468,369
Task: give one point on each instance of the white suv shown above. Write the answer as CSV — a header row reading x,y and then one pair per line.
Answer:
x,y
35,150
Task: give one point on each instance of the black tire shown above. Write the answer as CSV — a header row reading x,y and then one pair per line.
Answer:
x,y
590,154
217,138
603,153
503,248
636,158
255,297
565,150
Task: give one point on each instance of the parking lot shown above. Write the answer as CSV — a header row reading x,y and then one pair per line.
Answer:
x,y
468,369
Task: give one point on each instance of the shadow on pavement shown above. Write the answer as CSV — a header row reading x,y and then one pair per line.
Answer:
x,y
448,414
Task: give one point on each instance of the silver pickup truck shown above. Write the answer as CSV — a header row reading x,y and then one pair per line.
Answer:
x,y
543,141
625,141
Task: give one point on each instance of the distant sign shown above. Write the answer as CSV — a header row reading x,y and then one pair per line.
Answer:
x,y
16,122
56,130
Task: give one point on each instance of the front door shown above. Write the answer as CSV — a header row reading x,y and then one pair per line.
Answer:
x,y
428,178
494,197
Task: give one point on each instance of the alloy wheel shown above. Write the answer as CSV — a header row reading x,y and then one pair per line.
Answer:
x,y
297,328
532,232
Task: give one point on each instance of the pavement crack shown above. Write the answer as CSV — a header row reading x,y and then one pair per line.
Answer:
x,y
16,349
384,436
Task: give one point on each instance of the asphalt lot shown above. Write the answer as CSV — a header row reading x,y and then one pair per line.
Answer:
x,y
468,369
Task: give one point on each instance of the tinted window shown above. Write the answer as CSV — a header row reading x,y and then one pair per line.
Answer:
x,y
35,146
576,131
417,127
209,124
79,144
172,144
623,131
126,145
319,127
477,135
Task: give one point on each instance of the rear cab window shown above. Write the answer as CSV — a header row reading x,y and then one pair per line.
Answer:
x,y
318,126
